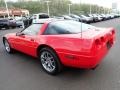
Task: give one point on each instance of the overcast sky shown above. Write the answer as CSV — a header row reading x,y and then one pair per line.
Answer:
x,y
105,3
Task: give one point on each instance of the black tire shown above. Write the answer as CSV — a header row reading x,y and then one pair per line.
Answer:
x,y
13,27
57,64
5,42
7,27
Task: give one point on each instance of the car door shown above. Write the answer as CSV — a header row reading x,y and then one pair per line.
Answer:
x,y
26,41
26,44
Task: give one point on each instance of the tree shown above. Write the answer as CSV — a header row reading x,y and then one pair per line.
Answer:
x,y
57,7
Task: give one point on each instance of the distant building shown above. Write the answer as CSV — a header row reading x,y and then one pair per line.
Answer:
x,y
13,12
27,0
114,5
115,8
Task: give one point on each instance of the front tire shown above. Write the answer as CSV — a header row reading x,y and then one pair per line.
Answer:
x,y
50,61
13,27
7,46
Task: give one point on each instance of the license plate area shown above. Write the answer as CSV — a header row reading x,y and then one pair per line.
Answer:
x,y
108,44
1,24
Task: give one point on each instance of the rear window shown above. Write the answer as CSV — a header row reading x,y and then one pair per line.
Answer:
x,y
67,27
75,16
43,16
83,16
3,20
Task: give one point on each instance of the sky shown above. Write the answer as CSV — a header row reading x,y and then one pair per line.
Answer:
x,y
104,3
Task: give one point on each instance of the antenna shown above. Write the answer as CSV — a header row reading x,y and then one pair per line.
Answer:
x,y
69,8
7,8
81,28
48,6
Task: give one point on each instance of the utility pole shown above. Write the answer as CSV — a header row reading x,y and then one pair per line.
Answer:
x,y
99,11
7,9
69,8
104,10
48,7
80,6
90,9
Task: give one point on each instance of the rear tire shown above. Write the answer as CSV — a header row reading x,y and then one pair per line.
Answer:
x,y
50,61
13,27
7,27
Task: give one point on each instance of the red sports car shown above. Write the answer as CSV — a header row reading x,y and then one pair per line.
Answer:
x,y
59,43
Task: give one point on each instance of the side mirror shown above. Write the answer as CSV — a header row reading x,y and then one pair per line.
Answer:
x,y
19,34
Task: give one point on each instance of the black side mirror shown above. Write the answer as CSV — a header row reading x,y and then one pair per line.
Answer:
x,y
19,34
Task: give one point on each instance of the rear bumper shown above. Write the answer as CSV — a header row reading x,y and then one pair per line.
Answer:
x,y
3,25
86,62
13,25
89,21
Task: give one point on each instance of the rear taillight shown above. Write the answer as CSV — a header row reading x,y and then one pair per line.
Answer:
x,y
102,39
97,41
113,32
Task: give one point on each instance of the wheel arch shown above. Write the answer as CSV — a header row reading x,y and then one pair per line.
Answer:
x,y
3,39
43,46
60,64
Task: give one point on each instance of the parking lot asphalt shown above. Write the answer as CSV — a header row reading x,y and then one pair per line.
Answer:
x,y
22,72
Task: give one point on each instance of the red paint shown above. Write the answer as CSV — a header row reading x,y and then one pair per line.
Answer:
x,y
73,51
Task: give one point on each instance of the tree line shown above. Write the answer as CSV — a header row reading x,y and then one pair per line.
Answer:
x,y
57,7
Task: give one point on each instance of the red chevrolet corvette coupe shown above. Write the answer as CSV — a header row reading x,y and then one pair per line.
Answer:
x,y
59,43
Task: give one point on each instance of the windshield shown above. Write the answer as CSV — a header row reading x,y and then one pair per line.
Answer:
x,y
33,29
76,16
67,17
84,16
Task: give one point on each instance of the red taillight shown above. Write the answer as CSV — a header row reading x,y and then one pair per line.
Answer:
x,y
97,42
102,39
113,32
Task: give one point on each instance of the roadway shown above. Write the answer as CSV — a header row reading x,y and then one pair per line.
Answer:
x,y
22,72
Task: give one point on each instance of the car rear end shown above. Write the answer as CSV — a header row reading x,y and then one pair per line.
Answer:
x,y
102,44
89,51
12,23
19,23
4,23
80,45
90,19
96,19
40,16
87,18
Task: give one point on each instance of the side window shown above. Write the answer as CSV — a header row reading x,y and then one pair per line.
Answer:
x,y
72,16
32,30
66,27
54,30
51,30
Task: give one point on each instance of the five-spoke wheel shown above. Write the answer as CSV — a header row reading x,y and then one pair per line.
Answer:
x,y
50,61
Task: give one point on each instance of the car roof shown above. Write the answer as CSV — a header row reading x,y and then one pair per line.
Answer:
x,y
48,20
4,19
41,14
